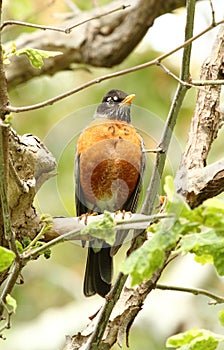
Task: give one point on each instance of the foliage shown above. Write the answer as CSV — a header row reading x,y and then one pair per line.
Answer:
x,y
195,339
146,260
35,56
6,258
11,302
199,231
104,228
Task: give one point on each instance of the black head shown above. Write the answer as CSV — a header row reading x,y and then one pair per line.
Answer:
x,y
115,105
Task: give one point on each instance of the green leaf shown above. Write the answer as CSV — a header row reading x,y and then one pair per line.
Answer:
x,y
11,302
211,217
214,202
19,247
104,228
36,56
207,246
195,339
176,203
221,317
169,187
146,260
6,258
142,263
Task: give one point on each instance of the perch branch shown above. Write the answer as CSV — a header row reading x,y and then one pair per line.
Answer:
x,y
70,229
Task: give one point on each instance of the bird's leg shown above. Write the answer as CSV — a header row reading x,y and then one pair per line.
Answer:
x,y
162,204
122,213
85,216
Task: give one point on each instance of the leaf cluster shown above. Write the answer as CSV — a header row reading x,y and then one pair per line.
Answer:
x,y
199,231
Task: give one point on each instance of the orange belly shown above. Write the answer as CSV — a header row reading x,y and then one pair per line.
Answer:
x,y
110,160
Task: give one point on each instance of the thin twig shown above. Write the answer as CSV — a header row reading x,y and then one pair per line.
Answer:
x,y
7,324
153,150
108,76
192,83
196,291
31,254
66,30
209,82
212,11
185,83
10,283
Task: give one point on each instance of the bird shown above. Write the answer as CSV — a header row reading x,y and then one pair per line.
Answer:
x,y
109,167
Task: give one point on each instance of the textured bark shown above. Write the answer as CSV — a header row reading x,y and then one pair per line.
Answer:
x,y
30,165
103,42
195,180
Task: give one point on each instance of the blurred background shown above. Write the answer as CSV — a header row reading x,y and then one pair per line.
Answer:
x,y
50,303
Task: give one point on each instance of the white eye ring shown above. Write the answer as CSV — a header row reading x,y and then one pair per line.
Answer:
x,y
109,99
115,98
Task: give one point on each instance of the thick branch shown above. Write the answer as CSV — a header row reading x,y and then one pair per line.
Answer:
x,y
30,166
104,42
194,179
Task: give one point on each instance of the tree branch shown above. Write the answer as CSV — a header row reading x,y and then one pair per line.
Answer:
x,y
156,61
9,236
195,180
66,30
104,42
196,291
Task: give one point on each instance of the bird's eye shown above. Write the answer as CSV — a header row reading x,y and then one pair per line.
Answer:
x,y
111,99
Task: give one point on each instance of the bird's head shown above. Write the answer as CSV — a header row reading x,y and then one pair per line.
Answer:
x,y
115,105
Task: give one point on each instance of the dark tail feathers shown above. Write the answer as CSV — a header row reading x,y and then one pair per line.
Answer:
x,y
99,270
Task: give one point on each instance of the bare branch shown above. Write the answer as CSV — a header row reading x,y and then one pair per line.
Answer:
x,y
10,283
196,291
66,30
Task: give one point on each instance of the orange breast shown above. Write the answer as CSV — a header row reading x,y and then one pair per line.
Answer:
x,y
110,160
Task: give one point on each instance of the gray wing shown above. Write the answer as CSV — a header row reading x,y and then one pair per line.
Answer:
x,y
80,201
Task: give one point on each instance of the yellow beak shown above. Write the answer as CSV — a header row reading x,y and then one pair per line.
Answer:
x,y
128,99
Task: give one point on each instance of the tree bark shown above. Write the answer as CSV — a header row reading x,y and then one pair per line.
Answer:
x,y
196,180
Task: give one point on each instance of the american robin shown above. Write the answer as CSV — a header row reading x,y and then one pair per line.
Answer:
x,y
109,167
